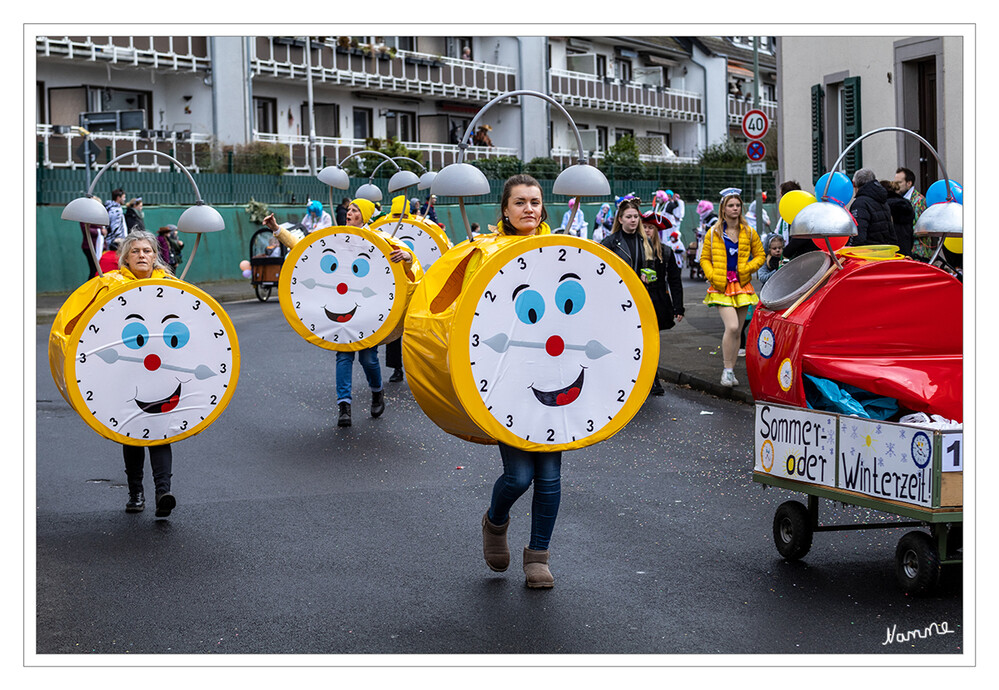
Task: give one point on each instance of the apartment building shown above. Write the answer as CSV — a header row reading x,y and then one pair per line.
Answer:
x,y
188,95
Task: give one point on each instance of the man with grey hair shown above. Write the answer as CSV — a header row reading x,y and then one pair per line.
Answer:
x,y
870,210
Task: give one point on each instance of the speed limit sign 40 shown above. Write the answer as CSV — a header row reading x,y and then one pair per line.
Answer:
x,y
755,124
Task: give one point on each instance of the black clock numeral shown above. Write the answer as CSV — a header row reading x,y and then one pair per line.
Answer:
x,y
298,305
305,257
222,368
219,334
381,317
620,396
551,435
371,249
214,399
391,296
521,262
197,304
294,280
561,255
509,420
90,395
626,306
322,242
600,270
312,327
388,269
94,328
638,354
483,385
122,300
184,425
145,433
159,292
360,334
475,340
490,295
113,421
346,238
589,425
83,357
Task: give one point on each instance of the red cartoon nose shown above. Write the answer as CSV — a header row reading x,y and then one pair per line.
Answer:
x,y
554,346
342,288
151,362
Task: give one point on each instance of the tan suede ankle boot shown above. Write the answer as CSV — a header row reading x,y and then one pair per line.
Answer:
x,y
536,568
494,546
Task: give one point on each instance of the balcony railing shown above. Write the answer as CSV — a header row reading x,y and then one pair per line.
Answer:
x,y
63,149
738,107
405,73
569,156
330,150
581,90
181,53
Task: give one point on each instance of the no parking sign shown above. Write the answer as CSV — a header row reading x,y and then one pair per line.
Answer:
x,y
756,150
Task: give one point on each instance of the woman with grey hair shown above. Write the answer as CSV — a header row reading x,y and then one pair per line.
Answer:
x,y
870,210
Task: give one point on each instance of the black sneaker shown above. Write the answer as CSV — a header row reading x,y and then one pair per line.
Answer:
x,y
377,403
136,502
344,418
396,376
165,503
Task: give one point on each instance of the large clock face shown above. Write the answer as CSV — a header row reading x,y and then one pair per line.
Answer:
x,y
562,343
428,242
341,292
152,362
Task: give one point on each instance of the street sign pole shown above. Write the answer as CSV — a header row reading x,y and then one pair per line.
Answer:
x,y
756,105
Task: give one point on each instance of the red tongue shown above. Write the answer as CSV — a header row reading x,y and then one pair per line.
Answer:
x,y
567,397
344,318
170,404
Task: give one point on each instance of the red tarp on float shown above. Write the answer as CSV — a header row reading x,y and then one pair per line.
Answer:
x,y
891,327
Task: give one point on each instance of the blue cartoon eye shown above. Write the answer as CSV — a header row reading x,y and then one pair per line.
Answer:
x,y
328,263
529,306
410,243
176,334
360,267
570,297
134,335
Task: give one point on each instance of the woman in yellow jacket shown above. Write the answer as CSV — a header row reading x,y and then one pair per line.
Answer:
x,y
732,254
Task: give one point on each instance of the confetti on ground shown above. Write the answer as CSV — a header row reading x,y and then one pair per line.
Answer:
x,y
460,467
706,412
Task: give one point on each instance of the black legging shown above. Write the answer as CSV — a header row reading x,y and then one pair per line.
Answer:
x,y
393,354
160,460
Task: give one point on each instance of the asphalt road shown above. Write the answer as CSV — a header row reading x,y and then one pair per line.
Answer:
x,y
292,536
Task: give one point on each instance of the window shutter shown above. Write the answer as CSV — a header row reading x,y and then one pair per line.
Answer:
x,y
818,138
851,124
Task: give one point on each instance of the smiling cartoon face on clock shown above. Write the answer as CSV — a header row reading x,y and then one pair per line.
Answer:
x,y
556,344
155,362
342,287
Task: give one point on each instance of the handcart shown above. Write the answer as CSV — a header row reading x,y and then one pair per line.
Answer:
x,y
266,258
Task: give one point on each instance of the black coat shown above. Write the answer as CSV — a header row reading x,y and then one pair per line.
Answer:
x,y
870,210
902,216
667,290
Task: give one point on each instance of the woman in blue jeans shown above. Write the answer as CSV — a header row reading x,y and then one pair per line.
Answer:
x,y
359,212
523,214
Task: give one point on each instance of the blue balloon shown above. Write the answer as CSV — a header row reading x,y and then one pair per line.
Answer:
x,y
840,188
938,192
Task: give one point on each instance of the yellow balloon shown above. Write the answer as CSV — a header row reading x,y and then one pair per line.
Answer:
x,y
792,202
953,244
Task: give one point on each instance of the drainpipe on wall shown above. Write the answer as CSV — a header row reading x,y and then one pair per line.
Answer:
x,y
704,98
520,72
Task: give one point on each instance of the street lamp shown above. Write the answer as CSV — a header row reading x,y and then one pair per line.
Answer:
x,y
197,219
461,179
336,176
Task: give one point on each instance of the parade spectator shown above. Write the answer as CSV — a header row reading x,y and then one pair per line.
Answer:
x,y
341,211
732,254
109,259
707,215
579,224
674,208
176,247
134,217
870,210
427,210
603,222
522,213
138,258
902,216
163,240
315,217
481,136
774,245
116,216
93,236
751,218
922,247
666,289
793,246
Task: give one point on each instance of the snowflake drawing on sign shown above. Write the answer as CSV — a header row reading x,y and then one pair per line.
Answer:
x,y
890,451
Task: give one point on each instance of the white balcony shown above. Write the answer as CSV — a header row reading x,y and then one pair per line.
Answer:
x,y
61,149
739,106
181,53
581,90
406,72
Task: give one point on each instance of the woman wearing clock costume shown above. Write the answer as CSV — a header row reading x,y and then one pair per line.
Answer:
x,y
523,214
359,212
732,253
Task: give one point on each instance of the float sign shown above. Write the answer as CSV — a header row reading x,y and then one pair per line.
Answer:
x,y
888,461
795,443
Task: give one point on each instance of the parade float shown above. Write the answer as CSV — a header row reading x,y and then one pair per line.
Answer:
x,y
855,358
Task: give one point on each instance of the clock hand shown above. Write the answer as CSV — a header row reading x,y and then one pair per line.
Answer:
x,y
500,342
110,356
311,283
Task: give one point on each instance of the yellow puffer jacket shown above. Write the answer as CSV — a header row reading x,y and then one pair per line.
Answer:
x,y
714,260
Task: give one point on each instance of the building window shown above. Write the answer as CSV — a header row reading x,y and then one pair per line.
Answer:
x,y
362,123
836,123
401,125
401,42
327,119
265,115
601,138
622,69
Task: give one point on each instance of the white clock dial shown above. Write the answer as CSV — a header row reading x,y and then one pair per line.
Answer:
x,y
556,343
765,343
922,449
342,288
426,243
155,361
